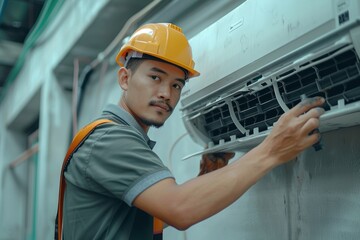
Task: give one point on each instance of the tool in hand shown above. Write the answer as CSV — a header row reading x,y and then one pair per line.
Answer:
x,y
318,145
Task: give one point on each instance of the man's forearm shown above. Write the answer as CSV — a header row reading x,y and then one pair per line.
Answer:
x,y
208,194
184,205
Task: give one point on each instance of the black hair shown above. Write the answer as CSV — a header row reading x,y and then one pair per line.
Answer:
x,y
134,63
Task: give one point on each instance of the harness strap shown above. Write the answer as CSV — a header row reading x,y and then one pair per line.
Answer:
x,y
79,137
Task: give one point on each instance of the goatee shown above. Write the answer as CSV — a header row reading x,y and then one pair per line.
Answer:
x,y
151,123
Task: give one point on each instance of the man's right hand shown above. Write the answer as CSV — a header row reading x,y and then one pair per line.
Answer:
x,y
294,131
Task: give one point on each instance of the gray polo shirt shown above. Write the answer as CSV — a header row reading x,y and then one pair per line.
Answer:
x,y
106,173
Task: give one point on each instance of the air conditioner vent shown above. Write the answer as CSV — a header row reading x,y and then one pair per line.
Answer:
x,y
334,76
219,125
233,107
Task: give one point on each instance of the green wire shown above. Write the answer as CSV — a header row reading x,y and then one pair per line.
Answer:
x,y
35,197
46,15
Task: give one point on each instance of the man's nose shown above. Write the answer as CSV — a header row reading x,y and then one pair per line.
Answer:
x,y
164,91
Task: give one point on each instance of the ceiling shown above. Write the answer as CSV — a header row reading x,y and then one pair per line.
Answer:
x,y
17,17
191,15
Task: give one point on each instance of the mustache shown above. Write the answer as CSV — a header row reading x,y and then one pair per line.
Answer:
x,y
161,103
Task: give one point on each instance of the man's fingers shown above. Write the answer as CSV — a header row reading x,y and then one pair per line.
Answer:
x,y
312,139
312,113
310,125
307,104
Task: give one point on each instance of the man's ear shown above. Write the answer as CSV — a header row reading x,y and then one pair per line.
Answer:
x,y
123,78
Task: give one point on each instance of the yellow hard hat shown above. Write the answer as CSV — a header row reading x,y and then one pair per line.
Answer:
x,y
160,40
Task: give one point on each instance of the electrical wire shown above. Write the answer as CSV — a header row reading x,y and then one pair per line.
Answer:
x,y
56,22
83,79
177,140
74,97
46,15
124,31
3,5
173,147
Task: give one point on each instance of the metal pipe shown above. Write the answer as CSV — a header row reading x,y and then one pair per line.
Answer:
x,y
24,156
129,23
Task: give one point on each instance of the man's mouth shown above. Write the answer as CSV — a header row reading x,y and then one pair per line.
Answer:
x,y
161,104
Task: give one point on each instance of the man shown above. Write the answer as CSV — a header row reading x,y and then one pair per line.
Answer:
x,y
116,184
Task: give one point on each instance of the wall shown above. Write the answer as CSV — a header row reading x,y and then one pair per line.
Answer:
x,y
36,95
312,197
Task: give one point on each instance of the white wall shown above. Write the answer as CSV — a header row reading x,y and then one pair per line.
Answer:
x,y
313,197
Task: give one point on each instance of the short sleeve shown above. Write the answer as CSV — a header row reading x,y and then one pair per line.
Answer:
x,y
115,160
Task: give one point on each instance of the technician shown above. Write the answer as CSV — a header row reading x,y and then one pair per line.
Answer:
x,y
116,184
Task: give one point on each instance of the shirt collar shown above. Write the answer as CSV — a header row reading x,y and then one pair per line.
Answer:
x,y
119,112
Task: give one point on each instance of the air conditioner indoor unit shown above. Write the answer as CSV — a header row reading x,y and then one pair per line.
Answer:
x,y
257,61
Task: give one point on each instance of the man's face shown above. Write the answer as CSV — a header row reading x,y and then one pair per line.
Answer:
x,y
151,92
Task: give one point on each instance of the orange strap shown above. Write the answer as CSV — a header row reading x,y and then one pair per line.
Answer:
x,y
79,137
158,226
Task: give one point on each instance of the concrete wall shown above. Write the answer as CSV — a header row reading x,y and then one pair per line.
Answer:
x,y
37,96
313,197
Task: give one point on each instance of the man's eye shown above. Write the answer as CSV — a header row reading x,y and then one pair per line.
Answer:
x,y
156,78
178,86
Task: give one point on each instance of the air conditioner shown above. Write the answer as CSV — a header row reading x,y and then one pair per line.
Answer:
x,y
258,60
